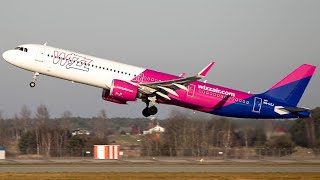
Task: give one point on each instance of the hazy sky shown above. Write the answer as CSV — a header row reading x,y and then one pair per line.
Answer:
x,y
255,43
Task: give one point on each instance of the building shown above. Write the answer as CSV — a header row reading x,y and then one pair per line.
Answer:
x,y
106,152
80,131
156,129
2,153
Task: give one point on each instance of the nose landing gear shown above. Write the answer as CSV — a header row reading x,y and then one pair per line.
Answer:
x,y
34,79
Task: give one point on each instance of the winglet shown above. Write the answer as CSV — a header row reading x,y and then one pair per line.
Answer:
x,y
204,72
182,75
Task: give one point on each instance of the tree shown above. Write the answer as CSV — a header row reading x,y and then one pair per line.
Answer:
x,y
25,118
42,131
281,145
27,142
100,125
306,132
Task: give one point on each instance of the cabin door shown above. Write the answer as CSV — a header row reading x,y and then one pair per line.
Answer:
x,y
40,54
257,105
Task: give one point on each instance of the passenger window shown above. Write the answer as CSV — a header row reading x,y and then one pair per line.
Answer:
x,y
25,50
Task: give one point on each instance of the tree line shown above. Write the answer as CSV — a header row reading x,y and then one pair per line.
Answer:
x,y
195,136
185,134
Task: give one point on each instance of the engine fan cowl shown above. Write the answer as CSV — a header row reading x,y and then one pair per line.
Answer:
x,y
124,91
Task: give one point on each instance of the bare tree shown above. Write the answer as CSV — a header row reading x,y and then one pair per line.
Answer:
x,y
43,134
25,118
100,125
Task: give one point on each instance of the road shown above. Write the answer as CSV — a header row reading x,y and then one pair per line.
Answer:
x,y
78,165
154,168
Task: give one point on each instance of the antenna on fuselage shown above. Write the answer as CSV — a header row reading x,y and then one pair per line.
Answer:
x,y
45,44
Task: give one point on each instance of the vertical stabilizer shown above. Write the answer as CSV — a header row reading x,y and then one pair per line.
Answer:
x,y
290,89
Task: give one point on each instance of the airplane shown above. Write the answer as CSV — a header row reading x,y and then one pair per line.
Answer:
x,y
122,83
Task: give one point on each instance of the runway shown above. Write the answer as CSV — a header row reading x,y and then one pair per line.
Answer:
x,y
154,168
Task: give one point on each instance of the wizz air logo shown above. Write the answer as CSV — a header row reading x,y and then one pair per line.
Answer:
x,y
216,90
71,61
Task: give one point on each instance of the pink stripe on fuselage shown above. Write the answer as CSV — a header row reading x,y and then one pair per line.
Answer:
x,y
303,71
201,96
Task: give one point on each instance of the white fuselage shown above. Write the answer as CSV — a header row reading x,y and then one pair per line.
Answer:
x,y
71,66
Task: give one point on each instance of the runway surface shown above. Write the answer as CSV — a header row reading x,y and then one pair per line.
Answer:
x,y
154,168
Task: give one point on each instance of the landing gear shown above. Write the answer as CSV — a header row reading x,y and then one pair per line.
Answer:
x,y
34,79
149,111
152,110
32,84
145,112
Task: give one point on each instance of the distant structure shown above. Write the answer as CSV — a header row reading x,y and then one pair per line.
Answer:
x,y
80,131
2,153
156,129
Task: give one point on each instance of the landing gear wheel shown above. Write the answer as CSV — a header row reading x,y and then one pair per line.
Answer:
x,y
32,84
145,112
153,110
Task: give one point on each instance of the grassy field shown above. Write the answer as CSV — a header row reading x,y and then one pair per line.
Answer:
x,y
151,175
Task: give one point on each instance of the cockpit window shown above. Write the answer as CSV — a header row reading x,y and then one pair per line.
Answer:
x,y
21,49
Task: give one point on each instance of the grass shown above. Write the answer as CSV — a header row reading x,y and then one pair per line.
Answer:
x,y
152,175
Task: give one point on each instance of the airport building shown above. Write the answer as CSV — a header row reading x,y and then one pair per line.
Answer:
x,y
2,153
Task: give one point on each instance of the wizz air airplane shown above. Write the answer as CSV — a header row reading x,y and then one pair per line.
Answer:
x,y
121,83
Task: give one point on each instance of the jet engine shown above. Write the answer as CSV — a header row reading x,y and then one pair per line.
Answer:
x,y
120,92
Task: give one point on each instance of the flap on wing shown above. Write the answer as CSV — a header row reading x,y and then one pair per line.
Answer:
x,y
170,86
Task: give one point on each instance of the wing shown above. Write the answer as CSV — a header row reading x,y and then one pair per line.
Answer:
x,y
162,88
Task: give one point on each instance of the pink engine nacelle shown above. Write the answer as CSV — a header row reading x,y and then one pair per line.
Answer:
x,y
120,92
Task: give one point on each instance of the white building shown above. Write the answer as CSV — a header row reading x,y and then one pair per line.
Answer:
x,y
80,131
156,129
2,153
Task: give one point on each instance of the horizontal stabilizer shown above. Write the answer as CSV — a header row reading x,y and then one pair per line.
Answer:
x,y
295,109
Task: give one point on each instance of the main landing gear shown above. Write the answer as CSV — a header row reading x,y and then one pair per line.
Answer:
x,y
152,110
34,79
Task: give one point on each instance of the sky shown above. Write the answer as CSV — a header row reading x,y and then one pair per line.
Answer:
x,y
255,43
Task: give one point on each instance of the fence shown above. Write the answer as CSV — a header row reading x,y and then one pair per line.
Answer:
x,y
213,153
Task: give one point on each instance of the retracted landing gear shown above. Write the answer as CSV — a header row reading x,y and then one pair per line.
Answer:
x,y
152,110
34,79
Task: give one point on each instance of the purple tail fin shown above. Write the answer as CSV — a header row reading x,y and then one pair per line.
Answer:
x,y
290,89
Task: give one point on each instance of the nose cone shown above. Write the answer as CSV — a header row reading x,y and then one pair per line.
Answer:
x,y
8,55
